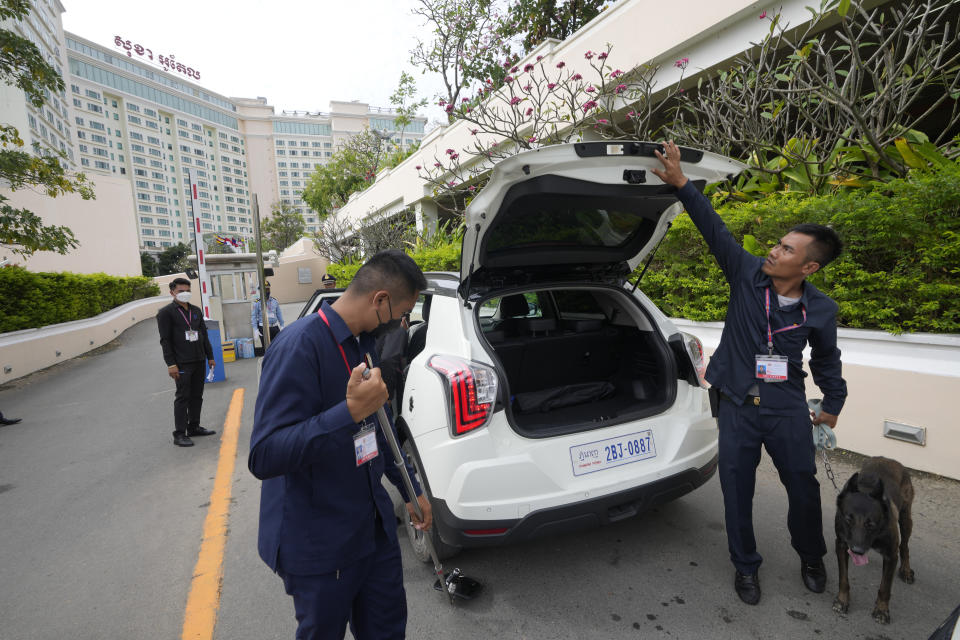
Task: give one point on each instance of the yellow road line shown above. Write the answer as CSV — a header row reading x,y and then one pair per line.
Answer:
x,y
204,599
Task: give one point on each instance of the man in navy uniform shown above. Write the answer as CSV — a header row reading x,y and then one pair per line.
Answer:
x,y
186,351
758,370
327,525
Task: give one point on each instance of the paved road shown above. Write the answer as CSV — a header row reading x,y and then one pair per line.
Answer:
x,y
101,518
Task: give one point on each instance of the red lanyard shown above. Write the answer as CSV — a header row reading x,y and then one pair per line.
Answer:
x,y
190,321
339,346
770,333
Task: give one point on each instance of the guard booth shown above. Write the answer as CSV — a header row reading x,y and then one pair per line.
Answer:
x,y
233,288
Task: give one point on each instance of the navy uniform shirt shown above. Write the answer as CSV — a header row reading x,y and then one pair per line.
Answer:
x,y
317,507
732,367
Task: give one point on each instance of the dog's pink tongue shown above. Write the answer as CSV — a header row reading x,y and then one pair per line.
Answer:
x,y
859,559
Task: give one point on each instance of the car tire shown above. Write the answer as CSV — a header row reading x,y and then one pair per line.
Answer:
x,y
418,538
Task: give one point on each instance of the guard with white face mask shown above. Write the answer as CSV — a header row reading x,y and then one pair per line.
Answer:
x,y
187,352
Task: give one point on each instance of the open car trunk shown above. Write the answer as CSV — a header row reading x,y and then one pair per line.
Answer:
x,y
576,359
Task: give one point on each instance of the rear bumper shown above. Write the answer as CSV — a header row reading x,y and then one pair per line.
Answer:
x,y
571,517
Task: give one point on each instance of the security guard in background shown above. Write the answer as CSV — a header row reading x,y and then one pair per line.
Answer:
x,y
186,349
327,525
274,316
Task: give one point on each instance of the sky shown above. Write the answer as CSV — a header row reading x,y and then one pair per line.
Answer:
x,y
299,54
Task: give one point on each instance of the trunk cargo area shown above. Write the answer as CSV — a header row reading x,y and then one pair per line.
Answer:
x,y
567,373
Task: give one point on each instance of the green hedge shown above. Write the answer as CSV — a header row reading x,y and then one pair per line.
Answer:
x,y
900,269
29,300
442,258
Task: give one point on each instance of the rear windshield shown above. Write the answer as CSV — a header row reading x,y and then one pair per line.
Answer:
x,y
539,220
554,212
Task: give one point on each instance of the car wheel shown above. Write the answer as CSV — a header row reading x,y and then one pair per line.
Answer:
x,y
418,538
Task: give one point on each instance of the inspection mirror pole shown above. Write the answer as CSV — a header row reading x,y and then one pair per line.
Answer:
x,y
263,303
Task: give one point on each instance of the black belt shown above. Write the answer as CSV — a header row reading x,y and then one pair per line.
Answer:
x,y
754,400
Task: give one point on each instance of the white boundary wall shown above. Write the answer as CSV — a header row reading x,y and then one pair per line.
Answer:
x,y
29,350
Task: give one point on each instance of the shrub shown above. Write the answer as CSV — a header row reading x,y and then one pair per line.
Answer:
x,y
30,300
441,257
900,269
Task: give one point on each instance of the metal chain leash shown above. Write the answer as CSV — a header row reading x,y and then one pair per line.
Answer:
x,y
823,438
829,469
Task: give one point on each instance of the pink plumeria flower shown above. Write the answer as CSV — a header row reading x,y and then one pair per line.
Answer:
x,y
576,76
602,121
561,65
515,100
454,156
451,183
449,108
590,89
528,67
616,74
508,79
681,63
449,151
419,167
471,188
763,14
620,88
528,87
473,132
437,165
532,139
588,55
514,69
602,56
551,85
589,104
530,111
539,58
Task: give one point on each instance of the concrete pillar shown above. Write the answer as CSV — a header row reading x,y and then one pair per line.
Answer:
x,y
426,216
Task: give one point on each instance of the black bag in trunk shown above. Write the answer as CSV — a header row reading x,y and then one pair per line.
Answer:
x,y
565,396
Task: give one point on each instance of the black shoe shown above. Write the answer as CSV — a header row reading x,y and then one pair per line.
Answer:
x,y
8,421
182,439
814,576
748,587
199,431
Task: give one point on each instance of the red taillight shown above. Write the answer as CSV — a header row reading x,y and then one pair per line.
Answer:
x,y
473,391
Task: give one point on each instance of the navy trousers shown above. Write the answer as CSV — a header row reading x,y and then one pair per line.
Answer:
x,y
368,594
788,441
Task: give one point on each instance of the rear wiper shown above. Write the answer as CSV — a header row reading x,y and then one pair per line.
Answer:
x,y
650,259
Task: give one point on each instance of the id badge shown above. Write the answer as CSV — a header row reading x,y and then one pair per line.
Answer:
x,y
771,368
365,444
192,336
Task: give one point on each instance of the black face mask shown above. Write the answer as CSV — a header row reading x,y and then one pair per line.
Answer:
x,y
385,327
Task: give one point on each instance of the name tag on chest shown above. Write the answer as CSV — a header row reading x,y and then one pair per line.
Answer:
x,y
771,368
192,336
365,445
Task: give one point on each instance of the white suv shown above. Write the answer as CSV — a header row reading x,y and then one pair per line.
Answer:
x,y
544,392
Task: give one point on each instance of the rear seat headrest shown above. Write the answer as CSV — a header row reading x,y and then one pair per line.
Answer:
x,y
514,306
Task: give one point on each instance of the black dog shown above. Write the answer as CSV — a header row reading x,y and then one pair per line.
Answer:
x,y
873,512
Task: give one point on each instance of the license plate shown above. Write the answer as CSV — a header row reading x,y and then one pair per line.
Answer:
x,y
612,452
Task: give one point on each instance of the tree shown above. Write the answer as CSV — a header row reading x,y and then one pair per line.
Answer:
x,y
22,65
405,102
173,259
337,239
388,231
537,20
351,168
284,227
148,264
825,106
464,47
